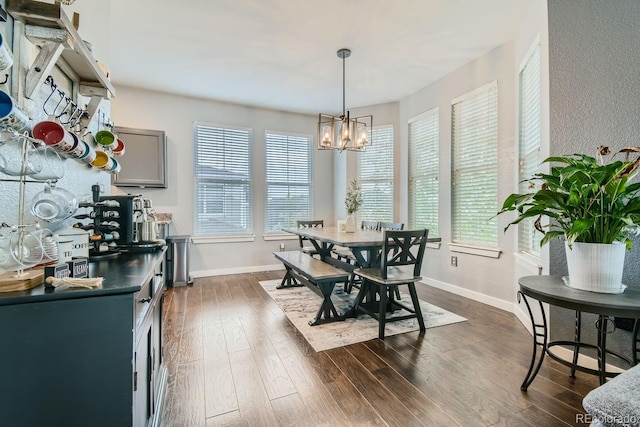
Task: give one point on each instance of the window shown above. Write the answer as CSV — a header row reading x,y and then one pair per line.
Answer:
x,y
375,174
223,190
529,144
475,167
288,187
423,172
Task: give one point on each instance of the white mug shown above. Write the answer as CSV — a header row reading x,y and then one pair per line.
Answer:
x,y
6,57
11,116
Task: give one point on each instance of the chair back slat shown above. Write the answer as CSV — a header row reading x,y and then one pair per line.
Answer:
x,y
370,225
402,248
315,223
392,226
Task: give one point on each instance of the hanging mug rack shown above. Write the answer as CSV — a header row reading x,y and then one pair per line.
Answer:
x,y
66,110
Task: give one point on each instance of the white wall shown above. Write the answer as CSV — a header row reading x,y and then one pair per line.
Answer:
x,y
486,279
475,276
594,93
175,115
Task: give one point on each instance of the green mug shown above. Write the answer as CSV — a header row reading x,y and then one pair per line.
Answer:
x,y
106,139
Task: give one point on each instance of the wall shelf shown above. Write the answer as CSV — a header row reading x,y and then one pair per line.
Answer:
x,y
47,26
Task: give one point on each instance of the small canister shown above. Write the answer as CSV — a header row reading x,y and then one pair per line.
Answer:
x,y
79,238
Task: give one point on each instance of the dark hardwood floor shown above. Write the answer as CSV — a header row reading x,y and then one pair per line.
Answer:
x,y
234,359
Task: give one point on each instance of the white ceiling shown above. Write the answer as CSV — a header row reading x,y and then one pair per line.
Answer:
x,y
281,54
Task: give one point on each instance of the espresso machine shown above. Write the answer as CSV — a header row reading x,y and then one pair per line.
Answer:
x,y
138,225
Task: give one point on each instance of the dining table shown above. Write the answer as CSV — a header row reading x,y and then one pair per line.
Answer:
x,y
366,246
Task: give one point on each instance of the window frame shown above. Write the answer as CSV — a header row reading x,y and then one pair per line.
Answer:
x,y
378,180
309,184
236,236
484,242
528,163
430,118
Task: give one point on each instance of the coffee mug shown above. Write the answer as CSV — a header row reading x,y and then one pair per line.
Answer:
x,y
11,116
90,154
6,57
116,167
80,148
106,139
119,148
18,157
53,134
103,161
53,204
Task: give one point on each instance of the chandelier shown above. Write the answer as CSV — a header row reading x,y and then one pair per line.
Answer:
x,y
343,132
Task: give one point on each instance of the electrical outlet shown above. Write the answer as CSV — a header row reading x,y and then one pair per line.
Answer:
x,y
454,261
281,247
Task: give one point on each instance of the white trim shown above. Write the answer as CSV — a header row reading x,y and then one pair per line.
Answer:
x,y
279,236
523,317
237,270
475,250
430,112
473,295
199,240
474,92
385,126
286,133
534,44
528,261
586,361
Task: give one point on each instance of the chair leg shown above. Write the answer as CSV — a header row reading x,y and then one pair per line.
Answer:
x,y
383,311
348,285
416,305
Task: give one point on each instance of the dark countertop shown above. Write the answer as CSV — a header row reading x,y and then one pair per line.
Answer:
x,y
125,273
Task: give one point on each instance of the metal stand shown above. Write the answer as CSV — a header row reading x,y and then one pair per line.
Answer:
x,y
540,339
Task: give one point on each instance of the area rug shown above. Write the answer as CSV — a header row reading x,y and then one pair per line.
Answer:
x,y
300,305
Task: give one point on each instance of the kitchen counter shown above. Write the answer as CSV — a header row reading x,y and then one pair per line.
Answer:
x,y
125,273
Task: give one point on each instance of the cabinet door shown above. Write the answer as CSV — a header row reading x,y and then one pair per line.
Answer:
x,y
142,391
156,350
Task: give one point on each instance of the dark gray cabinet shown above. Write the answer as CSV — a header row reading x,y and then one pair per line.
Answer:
x,y
86,357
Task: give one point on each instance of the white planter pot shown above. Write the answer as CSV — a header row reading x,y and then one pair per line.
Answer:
x,y
596,267
350,223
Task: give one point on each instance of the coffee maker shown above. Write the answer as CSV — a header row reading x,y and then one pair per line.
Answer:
x,y
138,226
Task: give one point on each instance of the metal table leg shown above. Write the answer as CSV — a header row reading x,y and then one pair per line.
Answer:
x,y
539,339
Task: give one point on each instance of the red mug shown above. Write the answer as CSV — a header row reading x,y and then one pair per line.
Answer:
x,y
55,135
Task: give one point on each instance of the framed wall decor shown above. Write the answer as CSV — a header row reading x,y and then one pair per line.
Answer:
x,y
144,163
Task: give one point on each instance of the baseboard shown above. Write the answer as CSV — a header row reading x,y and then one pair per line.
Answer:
x,y
237,270
586,361
476,296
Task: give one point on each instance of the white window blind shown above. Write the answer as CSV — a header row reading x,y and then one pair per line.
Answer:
x,y
375,175
475,167
288,173
529,144
223,181
423,172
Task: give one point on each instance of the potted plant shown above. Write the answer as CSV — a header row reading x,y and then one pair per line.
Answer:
x,y
352,201
593,207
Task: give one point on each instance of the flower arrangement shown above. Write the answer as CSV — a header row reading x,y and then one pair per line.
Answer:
x,y
353,201
587,200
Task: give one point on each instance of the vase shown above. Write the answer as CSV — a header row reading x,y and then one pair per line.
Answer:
x,y
350,223
596,267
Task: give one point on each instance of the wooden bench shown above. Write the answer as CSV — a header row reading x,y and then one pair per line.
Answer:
x,y
320,277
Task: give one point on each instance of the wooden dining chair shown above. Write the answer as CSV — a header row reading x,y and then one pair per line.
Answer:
x,y
401,264
316,223
391,226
